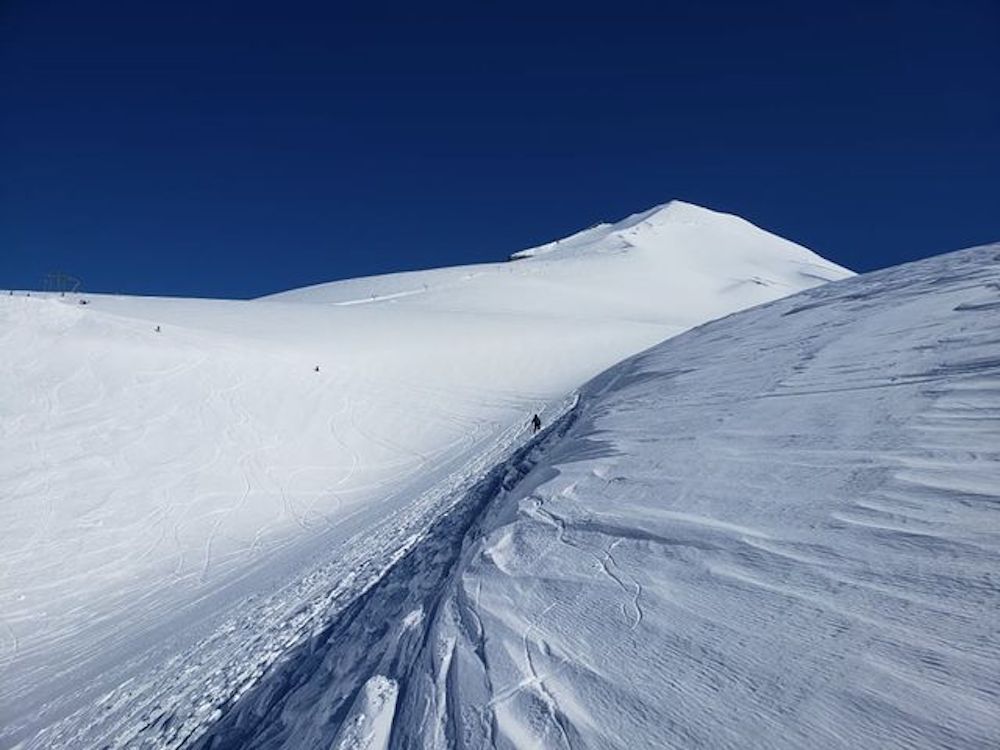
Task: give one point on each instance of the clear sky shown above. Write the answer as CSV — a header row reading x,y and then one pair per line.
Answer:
x,y
231,149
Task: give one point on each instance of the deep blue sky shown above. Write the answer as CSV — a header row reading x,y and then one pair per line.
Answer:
x,y
196,147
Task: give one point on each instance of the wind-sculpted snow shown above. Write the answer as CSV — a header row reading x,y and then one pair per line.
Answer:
x,y
779,530
191,489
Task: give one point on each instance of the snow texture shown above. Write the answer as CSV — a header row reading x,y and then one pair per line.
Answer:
x,y
779,530
198,492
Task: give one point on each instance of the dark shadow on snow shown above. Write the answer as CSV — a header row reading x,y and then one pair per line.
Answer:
x,y
312,690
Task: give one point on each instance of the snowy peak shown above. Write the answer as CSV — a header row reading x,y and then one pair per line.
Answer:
x,y
171,451
676,264
674,211
685,232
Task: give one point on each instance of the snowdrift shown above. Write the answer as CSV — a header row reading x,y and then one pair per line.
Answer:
x,y
778,530
193,488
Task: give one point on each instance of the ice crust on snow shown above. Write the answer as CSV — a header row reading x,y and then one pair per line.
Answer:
x,y
184,507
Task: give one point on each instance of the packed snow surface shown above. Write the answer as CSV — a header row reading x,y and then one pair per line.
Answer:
x,y
192,489
779,530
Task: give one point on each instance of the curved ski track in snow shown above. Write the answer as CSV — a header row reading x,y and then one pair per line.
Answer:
x,y
779,529
191,487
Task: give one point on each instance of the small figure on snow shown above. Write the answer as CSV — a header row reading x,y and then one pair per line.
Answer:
x,y
536,423
316,368
157,329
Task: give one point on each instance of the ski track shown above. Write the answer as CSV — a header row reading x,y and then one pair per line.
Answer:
x,y
775,578
271,517
201,685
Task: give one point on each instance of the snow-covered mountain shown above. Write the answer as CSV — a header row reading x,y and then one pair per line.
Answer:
x,y
191,489
674,265
778,530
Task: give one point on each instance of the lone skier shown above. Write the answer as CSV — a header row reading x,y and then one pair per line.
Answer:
x,y
536,424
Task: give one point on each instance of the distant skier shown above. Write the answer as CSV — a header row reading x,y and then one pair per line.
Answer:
x,y
536,423
157,329
316,368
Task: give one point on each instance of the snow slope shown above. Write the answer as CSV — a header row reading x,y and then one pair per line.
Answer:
x,y
778,530
675,265
182,508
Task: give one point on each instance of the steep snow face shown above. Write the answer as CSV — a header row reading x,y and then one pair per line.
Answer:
x,y
175,472
779,530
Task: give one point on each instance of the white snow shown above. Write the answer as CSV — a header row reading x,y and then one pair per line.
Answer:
x,y
183,509
779,530
370,724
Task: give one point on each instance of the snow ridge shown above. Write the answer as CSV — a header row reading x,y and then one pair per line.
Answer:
x,y
777,528
193,488
322,689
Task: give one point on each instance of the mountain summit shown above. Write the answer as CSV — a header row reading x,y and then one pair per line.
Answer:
x,y
677,225
193,487
676,264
